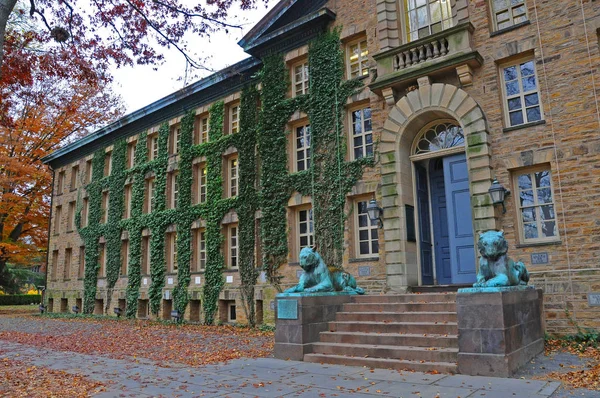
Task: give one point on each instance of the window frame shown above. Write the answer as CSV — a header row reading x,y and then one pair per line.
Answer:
x,y
537,205
102,260
57,219
74,177
370,227
362,72
363,135
494,15
104,207
171,246
67,264
305,150
81,269
233,181
124,257
304,82
234,123
310,234
405,18
107,163
199,254
233,246
131,154
71,216
60,184
128,192
522,94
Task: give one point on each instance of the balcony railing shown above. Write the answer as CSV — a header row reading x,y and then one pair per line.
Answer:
x,y
448,48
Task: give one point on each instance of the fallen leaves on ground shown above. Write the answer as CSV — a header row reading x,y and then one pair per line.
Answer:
x,y
193,345
18,310
587,376
17,379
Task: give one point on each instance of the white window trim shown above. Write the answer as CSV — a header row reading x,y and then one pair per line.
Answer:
x,y
202,132
131,154
153,146
536,206
234,129
522,93
403,17
201,176
200,253
304,82
364,134
128,191
369,228
124,257
361,58
233,181
231,246
310,235
306,150
172,246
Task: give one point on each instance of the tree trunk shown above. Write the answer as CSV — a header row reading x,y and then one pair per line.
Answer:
x,y
6,7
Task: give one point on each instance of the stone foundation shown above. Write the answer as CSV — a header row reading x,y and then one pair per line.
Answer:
x,y
499,329
300,318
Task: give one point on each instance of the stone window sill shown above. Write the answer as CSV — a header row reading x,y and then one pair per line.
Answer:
x,y
523,126
363,259
510,28
231,270
537,244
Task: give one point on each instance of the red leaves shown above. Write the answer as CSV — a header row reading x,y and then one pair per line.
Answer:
x,y
189,344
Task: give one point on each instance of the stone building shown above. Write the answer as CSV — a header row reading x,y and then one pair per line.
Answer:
x,y
455,94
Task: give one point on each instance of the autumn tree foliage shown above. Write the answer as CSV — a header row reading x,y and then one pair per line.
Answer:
x,y
123,31
46,100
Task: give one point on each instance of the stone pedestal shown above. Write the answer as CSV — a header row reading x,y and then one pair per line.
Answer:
x,y
499,329
300,317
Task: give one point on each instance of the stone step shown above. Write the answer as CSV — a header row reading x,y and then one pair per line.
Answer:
x,y
429,354
423,328
439,317
439,288
394,339
406,298
383,363
400,307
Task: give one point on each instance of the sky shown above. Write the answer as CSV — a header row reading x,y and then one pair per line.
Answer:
x,y
141,85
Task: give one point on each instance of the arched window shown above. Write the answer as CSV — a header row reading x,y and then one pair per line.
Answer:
x,y
437,136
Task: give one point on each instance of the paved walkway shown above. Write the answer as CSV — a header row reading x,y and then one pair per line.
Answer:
x,y
268,377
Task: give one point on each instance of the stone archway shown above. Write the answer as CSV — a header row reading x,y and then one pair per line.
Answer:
x,y
405,119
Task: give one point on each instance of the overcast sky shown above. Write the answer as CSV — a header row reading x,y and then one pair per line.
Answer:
x,y
140,85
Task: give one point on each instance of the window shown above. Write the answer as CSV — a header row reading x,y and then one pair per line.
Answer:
x,y
305,229
522,93
362,133
74,176
131,154
232,246
508,13
234,119
200,179
60,185
127,201
302,148
536,212
107,164
67,269
172,252
145,269
150,195
84,212
425,17
367,234
199,242
124,256
88,171
102,261
202,133
153,147
173,190
300,75
104,208
232,170
57,219
174,140
358,61
54,265
81,270
437,136
71,217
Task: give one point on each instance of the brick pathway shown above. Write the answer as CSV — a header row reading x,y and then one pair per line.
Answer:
x,y
268,377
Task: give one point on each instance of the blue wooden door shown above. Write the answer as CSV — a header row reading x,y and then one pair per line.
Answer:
x,y
424,225
460,221
439,214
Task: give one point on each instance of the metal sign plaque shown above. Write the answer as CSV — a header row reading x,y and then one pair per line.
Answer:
x,y
364,271
539,258
287,309
594,299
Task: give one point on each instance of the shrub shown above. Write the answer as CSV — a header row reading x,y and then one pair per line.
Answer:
x,y
20,299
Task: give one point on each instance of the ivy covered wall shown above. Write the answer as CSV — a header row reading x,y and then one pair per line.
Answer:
x,y
261,146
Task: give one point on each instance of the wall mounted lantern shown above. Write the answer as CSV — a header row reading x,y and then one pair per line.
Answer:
x,y
498,193
176,315
118,311
75,309
375,212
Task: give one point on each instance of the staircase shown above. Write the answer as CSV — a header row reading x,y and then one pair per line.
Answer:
x,y
405,332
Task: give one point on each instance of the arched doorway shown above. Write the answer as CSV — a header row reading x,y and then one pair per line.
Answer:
x,y
443,206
